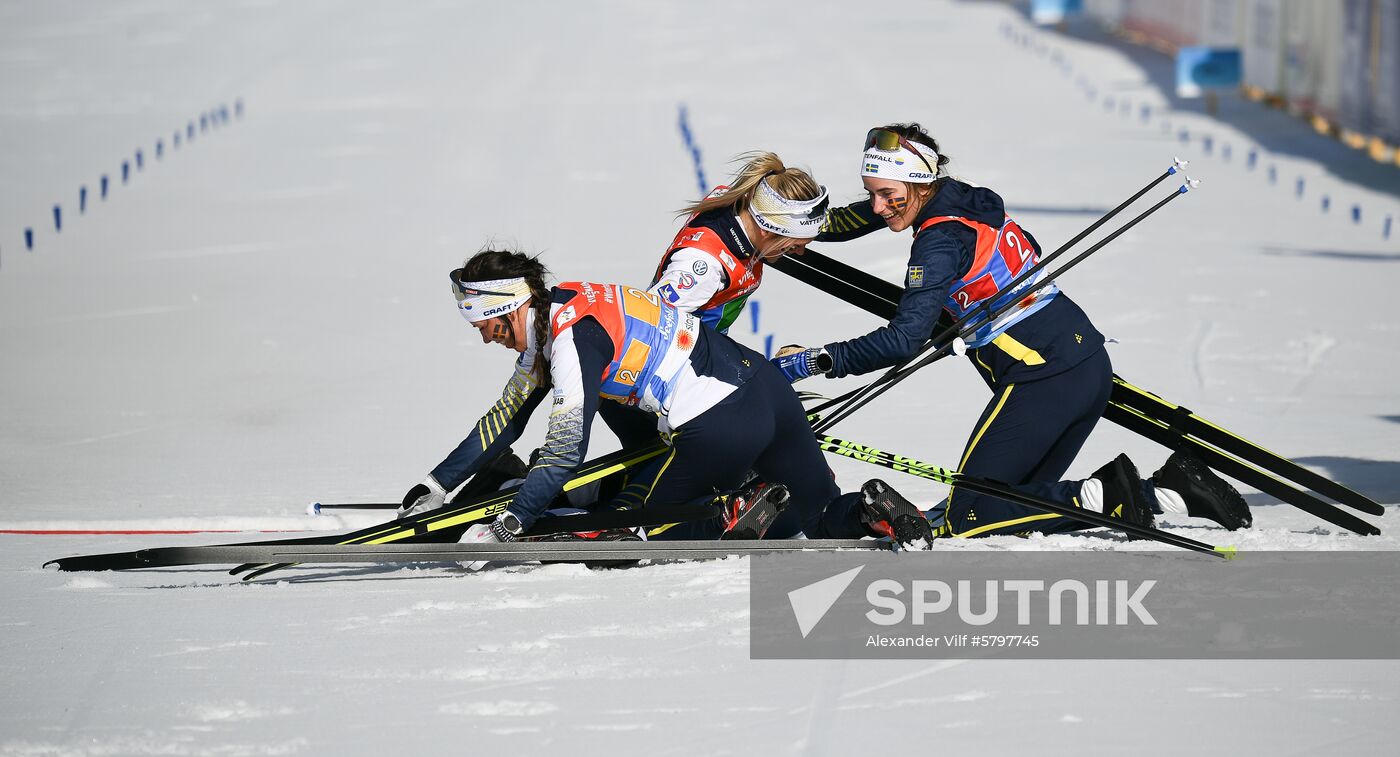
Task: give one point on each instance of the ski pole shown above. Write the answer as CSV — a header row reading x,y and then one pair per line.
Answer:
x,y
865,394
957,328
1006,492
315,508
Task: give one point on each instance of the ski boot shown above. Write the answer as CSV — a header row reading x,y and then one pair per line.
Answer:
x,y
750,511
1206,495
887,513
1123,495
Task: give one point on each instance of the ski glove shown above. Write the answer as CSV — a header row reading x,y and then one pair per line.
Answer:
x,y
423,497
797,363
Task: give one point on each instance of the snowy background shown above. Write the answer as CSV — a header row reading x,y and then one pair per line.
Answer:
x,y
259,319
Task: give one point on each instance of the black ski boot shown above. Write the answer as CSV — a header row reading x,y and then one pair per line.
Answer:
x,y
887,513
750,511
1123,497
1206,495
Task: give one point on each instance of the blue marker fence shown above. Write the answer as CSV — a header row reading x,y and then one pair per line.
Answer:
x,y
213,118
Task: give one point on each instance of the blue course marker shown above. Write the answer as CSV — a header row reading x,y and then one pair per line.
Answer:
x,y
1273,174
176,139
28,239
58,218
204,122
160,149
82,199
1300,187
1356,214
126,171
1326,203
238,108
1208,144
768,346
1252,159
140,160
1225,152
189,130
1385,229
104,186
753,315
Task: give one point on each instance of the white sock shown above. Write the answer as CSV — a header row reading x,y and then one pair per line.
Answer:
x,y
1170,501
1091,495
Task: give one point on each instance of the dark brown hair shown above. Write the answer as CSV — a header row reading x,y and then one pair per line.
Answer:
x,y
503,264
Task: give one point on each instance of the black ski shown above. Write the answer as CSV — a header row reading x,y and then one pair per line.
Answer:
x,y
1186,422
540,551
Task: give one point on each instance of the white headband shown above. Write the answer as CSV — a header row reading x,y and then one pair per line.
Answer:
x,y
798,219
900,165
479,300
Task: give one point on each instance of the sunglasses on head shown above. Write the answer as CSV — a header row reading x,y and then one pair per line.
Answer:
x,y
886,140
462,290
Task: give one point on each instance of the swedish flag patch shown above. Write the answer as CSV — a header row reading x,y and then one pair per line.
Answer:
x,y
916,276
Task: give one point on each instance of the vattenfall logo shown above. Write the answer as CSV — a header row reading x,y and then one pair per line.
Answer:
x,y
978,602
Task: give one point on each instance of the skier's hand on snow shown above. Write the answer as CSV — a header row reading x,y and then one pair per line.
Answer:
x,y
798,363
423,497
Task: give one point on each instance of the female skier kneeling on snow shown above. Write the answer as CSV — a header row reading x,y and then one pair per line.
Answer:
x,y
726,409
1044,361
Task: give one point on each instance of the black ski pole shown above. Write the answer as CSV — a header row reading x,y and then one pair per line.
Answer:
x,y
956,329
879,386
315,508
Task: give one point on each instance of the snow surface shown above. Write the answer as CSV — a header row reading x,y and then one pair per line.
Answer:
x,y
258,320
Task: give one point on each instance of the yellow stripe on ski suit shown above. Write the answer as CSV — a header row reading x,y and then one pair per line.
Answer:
x,y
1005,395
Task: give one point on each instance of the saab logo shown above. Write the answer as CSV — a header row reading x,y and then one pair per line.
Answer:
x,y
697,236
872,168
669,292
565,315
687,281
812,602
916,276
700,267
